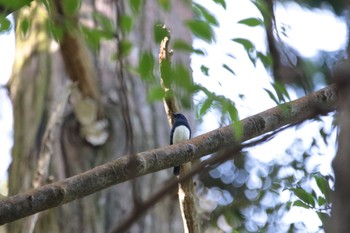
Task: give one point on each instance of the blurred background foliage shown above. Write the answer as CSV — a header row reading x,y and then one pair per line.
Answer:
x,y
245,194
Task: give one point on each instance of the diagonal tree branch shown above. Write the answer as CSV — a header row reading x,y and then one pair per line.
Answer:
x,y
117,171
223,155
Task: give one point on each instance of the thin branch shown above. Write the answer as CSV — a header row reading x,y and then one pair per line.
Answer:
x,y
186,192
170,104
115,172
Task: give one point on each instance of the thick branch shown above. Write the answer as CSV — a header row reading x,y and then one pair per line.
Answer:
x,y
117,171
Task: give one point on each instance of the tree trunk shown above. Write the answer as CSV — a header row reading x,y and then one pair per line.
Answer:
x,y
339,221
37,81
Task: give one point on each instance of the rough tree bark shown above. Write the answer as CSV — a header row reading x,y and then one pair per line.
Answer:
x,y
340,214
36,84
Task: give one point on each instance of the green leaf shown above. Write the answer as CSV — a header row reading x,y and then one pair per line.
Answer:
x,y
13,5
323,185
304,196
252,22
227,106
71,7
185,101
249,48
155,94
324,135
55,30
93,36
205,106
160,32
221,2
201,30
125,47
247,44
321,201
205,70
301,204
105,23
198,52
146,66
265,59
136,5
182,77
263,8
5,24
272,96
202,11
126,23
229,69
165,4
232,110
281,91
25,26
182,45
323,217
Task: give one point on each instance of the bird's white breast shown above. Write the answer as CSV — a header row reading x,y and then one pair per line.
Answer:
x,y
181,133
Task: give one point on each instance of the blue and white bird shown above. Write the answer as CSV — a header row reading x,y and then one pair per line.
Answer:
x,y
181,131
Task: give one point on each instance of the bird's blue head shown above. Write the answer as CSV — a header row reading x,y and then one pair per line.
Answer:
x,y
179,117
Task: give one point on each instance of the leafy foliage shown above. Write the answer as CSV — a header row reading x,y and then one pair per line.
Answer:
x,y
136,5
71,7
5,24
201,29
252,22
244,193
